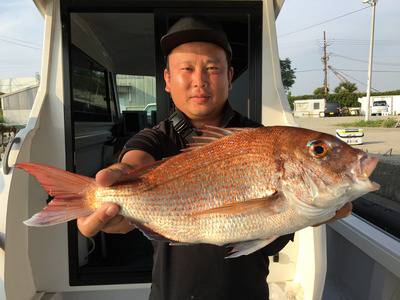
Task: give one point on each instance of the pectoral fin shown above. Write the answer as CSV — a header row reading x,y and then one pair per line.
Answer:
x,y
273,203
248,247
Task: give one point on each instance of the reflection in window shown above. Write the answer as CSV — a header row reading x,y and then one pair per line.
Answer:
x,y
136,92
89,89
137,100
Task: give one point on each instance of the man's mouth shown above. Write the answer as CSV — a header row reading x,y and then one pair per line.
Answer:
x,y
200,98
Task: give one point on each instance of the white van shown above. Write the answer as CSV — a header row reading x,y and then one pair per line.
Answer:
x,y
101,66
379,108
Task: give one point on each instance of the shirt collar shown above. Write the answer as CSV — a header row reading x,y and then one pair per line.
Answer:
x,y
227,115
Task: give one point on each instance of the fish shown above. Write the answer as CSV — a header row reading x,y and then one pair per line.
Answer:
x,y
235,187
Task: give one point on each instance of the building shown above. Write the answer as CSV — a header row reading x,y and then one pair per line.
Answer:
x,y
313,108
17,105
10,85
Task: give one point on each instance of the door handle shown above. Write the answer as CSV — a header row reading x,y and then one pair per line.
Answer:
x,y
6,168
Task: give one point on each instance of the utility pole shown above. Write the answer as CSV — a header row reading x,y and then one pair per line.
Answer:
x,y
371,52
325,59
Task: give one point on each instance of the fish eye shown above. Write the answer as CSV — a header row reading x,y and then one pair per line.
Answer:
x,y
317,149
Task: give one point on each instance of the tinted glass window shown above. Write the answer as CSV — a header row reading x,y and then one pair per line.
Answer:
x,y
89,89
379,103
137,97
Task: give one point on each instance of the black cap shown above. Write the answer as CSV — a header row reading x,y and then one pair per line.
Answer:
x,y
195,29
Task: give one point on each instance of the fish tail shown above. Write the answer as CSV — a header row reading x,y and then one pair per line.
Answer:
x,y
68,190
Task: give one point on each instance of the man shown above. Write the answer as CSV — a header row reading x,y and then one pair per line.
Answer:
x,y
198,77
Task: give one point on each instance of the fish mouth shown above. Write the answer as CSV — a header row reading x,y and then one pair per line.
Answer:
x,y
366,167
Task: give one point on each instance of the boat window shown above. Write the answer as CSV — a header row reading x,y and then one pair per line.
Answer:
x,y
108,67
89,89
137,100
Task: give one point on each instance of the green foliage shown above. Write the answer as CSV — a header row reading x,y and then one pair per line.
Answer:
x,y
387,123
345,99
287,73
346,87
319,91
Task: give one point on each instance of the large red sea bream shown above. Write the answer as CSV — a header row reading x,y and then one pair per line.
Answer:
x,y
236,187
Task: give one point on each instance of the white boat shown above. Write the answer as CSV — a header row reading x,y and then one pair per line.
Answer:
x,y
76,124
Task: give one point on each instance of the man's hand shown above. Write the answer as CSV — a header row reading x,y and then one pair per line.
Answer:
x,y
106,218
341,213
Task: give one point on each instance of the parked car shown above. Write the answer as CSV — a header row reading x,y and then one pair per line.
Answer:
x,y
332,109
379,108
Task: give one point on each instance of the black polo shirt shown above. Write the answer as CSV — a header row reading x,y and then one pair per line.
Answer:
x,y
201,271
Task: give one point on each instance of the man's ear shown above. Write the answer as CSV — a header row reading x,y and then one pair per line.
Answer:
x,y
230,77
167,78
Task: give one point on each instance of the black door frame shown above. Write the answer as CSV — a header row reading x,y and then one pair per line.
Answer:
x,y
161,10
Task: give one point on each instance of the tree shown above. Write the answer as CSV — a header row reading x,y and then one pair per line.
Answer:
x,y
320,91
287,73
346,87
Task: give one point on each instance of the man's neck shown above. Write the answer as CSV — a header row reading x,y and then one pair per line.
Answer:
x,y
211,122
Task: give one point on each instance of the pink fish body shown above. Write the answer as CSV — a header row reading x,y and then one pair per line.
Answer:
x,y
236,187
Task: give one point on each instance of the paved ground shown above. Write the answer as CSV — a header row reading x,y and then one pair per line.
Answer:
x,y
376,140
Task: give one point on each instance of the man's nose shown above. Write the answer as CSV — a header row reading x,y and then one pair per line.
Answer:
x,y
200,78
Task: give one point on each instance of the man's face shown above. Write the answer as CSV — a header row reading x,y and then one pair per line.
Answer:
x,y
198,79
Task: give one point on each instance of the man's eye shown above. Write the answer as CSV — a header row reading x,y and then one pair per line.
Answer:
x,y
212,68
186,69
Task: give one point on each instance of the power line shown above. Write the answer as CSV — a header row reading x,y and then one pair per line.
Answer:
x,y
340,41
323,22
19,40
359,81
364,61
358,42
19,44
365,40
348,70
310,70
373,71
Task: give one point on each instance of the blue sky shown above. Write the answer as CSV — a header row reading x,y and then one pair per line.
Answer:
x,y
21,23
348,36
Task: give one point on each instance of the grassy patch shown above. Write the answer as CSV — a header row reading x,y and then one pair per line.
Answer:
x,y
386,123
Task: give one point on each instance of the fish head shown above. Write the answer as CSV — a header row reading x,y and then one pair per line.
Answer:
x,y
323,172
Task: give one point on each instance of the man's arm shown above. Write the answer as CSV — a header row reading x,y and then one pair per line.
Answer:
x,y
106,218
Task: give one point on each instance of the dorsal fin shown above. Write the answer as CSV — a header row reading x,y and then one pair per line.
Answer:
x,y
213,131
209,134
